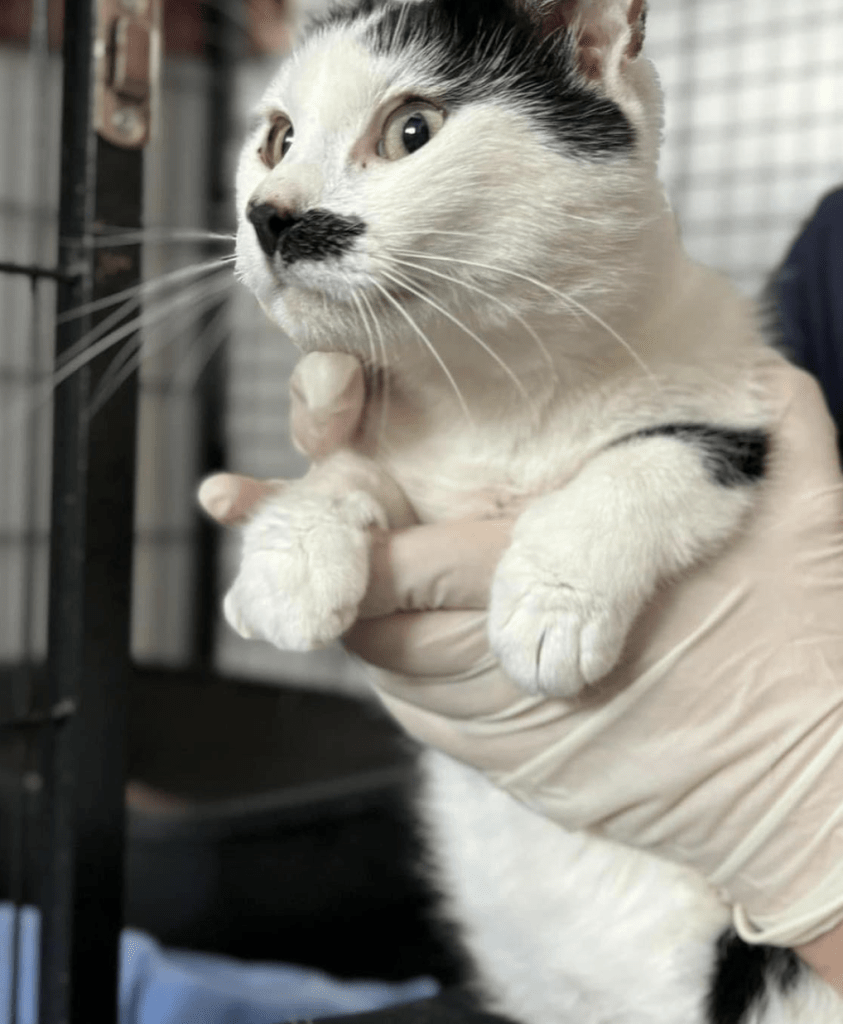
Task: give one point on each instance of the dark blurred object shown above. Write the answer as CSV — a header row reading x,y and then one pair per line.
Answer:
x,y
16,21
265,21
286,831
184,32
271,824
807,297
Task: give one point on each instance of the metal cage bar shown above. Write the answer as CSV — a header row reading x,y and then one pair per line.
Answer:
x,y
88,663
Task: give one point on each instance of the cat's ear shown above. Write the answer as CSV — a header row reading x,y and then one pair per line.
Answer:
x,y
606,34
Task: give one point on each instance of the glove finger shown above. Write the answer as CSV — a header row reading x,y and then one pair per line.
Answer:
x,y
435,566
435,643
327,394
230,498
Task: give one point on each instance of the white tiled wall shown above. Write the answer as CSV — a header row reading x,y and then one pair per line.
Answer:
x,y
29,118
175,186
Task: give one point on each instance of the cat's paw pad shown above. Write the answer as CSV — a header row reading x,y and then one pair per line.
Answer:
x,y
303,573
552,638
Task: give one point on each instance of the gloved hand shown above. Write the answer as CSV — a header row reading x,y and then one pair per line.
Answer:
x,y
718,740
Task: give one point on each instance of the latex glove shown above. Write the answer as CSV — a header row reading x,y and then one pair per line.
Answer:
x,y
718,740
327,392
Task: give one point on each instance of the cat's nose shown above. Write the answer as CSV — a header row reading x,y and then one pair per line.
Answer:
x,y
271,224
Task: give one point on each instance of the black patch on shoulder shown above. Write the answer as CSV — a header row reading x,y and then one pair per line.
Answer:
x,y
743,975
491,48
734,457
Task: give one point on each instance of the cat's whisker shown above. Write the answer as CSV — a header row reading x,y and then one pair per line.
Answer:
x,y
134,355
383,349
139,349
358,309
115,318
451,231
382,362
128,356
145,319
404,282
512,313
104,327
378,357
146,288
422,342
563,297
212,337
429,345
425,230
609,330
370,338
91,352
155,236
470,286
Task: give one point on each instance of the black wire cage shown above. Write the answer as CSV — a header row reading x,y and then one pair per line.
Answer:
x,y
64,718
139,783
148,775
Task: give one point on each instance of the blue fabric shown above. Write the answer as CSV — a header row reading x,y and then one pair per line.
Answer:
x,y
808,294
165,986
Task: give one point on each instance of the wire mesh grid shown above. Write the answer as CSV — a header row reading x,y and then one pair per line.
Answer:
x,y
754,123
29,113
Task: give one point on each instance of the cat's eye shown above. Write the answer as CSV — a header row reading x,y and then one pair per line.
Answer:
x,y
409,128
277,142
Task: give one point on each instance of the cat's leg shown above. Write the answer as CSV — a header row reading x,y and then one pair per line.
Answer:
x,y
562,927
567,928
305,558
585,559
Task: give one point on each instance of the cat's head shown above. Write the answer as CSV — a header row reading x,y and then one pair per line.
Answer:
x,y
413,158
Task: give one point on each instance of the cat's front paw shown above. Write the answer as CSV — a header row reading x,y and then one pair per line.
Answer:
x,y
304,570
553,637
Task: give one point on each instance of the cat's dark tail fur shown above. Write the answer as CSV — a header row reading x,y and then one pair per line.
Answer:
x,y
744,974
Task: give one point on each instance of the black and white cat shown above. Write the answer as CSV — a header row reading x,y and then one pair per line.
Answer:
x,y
463,194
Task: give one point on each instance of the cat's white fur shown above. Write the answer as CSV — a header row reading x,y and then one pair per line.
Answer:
x,y
602,242
565,928
571,272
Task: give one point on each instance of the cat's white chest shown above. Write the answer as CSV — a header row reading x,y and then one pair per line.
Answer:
x,y
487,451
453,468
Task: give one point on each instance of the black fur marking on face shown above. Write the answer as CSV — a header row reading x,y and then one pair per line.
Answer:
x,y
743,975
482,49
315,235
733,457
320,234
479,49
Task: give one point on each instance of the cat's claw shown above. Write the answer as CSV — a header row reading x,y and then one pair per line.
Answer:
x,y
304,571
551,638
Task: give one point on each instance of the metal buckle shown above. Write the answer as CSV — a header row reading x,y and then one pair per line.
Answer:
x,y
128,48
